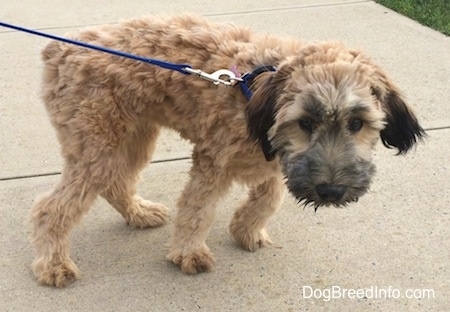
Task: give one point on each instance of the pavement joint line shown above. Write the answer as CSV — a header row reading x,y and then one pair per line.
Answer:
x,y
48,174
438,128
295,7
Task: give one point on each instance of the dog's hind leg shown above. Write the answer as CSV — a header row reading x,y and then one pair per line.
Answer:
x,y
53,216
195,215
121,194
248,226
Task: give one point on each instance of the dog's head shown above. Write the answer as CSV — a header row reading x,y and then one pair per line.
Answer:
x,y
322,112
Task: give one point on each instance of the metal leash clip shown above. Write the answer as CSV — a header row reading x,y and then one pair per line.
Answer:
x,y
221,76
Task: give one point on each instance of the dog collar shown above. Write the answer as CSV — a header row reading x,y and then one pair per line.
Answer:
x,y
248,78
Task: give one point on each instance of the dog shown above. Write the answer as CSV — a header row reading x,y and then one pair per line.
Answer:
x,y
311,124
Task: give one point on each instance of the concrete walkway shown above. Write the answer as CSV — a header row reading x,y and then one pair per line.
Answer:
x,y
394,240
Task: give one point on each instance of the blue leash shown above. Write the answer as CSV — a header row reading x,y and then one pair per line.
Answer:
x,y
177,67
230,77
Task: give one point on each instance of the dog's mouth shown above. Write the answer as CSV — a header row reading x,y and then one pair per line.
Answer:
x,y
316,204
324,195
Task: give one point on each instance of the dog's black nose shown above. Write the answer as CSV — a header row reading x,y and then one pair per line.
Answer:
x,y
329,192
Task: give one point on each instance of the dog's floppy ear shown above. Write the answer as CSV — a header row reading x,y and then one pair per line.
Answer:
x,y
261,110
402,130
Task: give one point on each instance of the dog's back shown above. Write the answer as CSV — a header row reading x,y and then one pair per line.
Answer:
x,y
125,90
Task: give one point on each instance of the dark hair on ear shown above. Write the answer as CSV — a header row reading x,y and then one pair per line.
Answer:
x,y
402,129
260,112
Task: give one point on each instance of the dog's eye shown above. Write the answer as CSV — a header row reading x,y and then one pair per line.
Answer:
x,y
306,125
355,125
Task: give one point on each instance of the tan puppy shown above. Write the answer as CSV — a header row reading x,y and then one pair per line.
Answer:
x,y
313,121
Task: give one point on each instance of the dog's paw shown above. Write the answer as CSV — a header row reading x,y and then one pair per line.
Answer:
x,y
193,261
250,240
147,214
59,274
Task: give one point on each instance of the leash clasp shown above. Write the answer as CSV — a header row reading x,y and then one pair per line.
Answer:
x,y
221,76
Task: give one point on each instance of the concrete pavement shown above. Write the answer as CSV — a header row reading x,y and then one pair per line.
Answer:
x,y
396,238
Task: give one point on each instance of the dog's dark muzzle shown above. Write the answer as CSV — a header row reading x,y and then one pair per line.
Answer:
x,y
312,180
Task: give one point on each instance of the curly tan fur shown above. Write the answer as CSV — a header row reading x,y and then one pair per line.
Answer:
x,y
108,112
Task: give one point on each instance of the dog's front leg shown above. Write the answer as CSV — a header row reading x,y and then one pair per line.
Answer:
x,y
248,226
195,215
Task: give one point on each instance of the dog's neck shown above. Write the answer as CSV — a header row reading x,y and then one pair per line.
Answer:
x,y
248,78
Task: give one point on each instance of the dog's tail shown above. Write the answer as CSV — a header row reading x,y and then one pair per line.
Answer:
x,y
50,51
52,56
